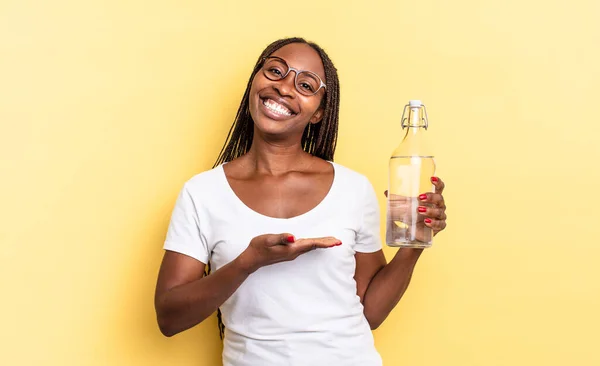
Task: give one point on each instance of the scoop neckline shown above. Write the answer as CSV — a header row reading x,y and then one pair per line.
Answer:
x,y
320,206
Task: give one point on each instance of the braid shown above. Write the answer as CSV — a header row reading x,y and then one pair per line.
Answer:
x,y
318,139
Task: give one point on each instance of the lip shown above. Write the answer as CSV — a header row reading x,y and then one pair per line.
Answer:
x,y
271,114
279,100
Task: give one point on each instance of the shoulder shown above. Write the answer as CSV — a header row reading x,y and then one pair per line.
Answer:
x,y
205,182
354,185
350,177
356,190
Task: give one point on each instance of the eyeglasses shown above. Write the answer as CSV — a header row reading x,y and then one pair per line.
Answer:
x,y
306,82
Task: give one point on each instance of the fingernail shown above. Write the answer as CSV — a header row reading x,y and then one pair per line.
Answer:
x,y
428,221
423,197
340,243
290,239
422,209
434,179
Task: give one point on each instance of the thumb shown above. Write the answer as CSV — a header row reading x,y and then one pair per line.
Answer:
x,y
286,238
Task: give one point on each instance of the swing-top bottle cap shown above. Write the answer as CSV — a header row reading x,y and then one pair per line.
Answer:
x,y
415,103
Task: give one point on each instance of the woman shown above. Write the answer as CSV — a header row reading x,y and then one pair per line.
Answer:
x,y
292,238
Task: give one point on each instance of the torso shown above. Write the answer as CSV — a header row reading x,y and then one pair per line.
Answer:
x,y
301,312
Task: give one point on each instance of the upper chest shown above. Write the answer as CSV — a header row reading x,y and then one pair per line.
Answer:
x,y
284,196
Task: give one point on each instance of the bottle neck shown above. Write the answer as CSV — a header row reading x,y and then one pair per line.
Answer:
x,y
414,125
414,129
416,118
413,132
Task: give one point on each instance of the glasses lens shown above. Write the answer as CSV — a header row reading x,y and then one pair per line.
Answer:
x,y
275,69
308,83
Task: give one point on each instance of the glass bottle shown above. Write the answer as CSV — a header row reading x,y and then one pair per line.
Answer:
x,y
411,167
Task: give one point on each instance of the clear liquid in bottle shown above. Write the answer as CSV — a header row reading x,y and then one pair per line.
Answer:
x,y
410,170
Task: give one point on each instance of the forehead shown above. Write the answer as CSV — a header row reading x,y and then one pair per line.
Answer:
x,y
303,57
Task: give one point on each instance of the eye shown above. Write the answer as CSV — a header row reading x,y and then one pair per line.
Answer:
x,y
275,72
307,87
308,83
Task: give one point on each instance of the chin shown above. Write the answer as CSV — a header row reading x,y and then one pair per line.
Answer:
x,y
270,125
271,128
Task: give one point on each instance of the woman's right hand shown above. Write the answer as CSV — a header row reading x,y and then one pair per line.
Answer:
x,y
274,248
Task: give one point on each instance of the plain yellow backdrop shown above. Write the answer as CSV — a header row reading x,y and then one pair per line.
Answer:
x,y
107,107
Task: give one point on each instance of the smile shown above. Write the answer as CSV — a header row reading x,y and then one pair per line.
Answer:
x,y
277,108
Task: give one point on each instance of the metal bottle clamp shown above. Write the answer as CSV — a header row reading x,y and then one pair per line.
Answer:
x,y
425,118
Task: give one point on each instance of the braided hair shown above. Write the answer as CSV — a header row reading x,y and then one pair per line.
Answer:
x,y
318,139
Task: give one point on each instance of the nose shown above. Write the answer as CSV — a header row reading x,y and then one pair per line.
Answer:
x,y
286,86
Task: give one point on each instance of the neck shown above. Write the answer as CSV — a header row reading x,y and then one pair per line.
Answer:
x,y
276,157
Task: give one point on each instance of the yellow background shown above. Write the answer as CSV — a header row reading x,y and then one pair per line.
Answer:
x,y
108,106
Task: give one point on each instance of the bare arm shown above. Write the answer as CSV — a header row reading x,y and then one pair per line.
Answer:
x,y
184,297
380,286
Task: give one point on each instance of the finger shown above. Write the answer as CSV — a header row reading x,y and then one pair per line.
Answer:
x,y
399,206
281,239
433,198
397,198
305,245
439,184
432,212
402,212
436,225
326,242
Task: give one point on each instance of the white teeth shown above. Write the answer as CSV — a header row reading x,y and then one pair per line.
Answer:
x,y
276,107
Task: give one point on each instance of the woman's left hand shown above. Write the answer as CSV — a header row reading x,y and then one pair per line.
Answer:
x,y
431,211
435,207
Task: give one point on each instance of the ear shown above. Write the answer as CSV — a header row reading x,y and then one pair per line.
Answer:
x,y
316,118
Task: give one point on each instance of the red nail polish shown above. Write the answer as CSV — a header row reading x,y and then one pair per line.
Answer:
x,y
290,239
434,179
428,221
423,197
340,243
422,209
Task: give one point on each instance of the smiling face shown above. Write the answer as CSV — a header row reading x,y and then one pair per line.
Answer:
x,y
276,106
